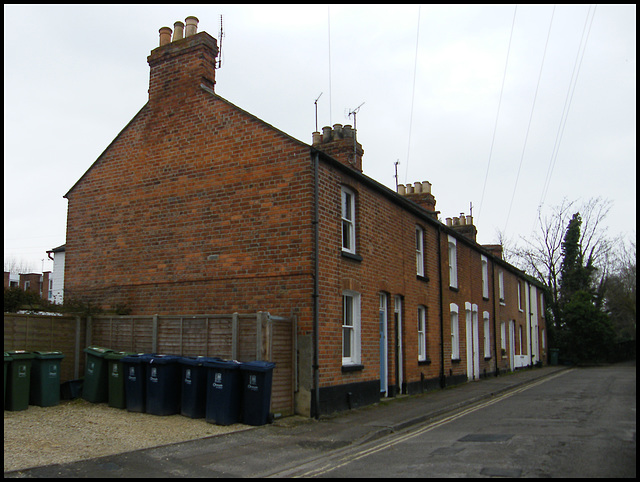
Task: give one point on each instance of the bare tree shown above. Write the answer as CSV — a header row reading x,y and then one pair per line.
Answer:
x,y
541,254
18,266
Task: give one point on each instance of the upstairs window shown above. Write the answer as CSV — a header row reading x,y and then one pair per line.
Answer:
x,y
453,263
419,251
501,286
485,277
348,221
520,296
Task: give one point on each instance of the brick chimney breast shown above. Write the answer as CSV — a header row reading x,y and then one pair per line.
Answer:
x,y
420,193
181,65
340,143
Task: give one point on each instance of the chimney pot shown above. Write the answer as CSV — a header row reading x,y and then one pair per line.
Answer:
x,y
191,26
347,131
401,189
337,130
417,187
469,220
426,187
317,138
165,36
326,134
449,221
178,30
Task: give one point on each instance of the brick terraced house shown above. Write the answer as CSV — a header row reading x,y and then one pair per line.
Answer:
x,y
197,206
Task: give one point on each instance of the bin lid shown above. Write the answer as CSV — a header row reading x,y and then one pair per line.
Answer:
x,y
7,357
20,354
136,358
164,359
197,360
97,350
258,366
46,355
117,355
228,364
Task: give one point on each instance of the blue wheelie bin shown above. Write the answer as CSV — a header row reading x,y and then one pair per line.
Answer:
x,y
257,379
163,385
135,386
224,390
193,397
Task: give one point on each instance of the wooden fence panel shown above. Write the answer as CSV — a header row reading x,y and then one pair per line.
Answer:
x,y
245,337
48,333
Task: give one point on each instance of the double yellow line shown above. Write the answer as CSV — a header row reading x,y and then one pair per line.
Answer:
x,y
347,459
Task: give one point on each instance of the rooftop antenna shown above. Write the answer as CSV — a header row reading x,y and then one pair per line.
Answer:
x,y
354,112
355,131
220,44
315,102
396,164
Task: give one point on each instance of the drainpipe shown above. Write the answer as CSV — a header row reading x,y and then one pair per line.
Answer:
x,y
442,378
316,295
495,314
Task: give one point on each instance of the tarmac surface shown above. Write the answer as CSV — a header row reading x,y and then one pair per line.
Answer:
x,y
281,448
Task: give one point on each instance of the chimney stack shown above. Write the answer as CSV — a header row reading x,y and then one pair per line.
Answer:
x,y
182,64
463,225
340,143
420,193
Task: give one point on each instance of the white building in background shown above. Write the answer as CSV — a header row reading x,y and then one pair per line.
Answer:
x,y
56,280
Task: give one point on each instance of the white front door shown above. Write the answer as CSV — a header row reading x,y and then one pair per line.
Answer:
x,y
383,345
473,348
398,319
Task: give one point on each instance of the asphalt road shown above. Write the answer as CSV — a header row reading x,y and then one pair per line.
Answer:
x,y
577,423
541,422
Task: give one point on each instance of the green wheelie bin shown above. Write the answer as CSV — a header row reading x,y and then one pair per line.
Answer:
x,y
7,362
45,378
18,380
116,379
95,388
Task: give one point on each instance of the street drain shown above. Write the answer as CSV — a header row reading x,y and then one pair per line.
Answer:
x,y
501,472
486,437
323,444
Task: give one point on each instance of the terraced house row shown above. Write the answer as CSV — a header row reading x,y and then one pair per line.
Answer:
x,y
197,206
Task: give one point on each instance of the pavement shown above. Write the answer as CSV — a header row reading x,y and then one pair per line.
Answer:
x,y
280,449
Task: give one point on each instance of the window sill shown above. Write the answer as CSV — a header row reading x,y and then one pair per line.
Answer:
x,y
424,362
455,360
454,288
352,256
420,277
352,368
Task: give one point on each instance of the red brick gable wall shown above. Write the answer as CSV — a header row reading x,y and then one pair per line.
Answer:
x,y
187,197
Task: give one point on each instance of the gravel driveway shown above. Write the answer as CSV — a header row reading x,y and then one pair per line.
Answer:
x,y
76,430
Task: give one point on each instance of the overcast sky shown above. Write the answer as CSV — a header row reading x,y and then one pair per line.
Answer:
x,y
538,100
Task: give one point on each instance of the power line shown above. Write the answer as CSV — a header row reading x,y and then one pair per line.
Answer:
x,y
533,106
329,36
567,104
413,93
495,127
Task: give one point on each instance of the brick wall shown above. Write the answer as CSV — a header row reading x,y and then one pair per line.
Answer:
x,y
199,207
